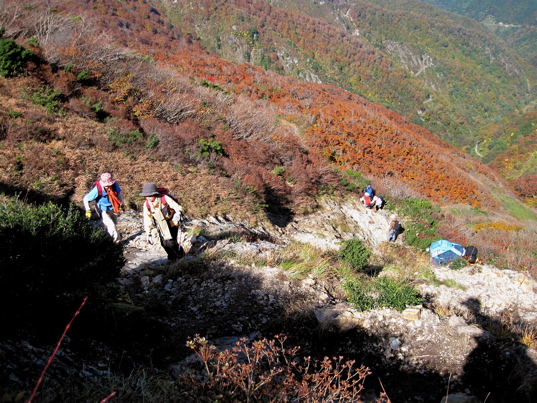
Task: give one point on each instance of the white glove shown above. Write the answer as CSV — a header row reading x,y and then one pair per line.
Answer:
x,y
149,239
177,217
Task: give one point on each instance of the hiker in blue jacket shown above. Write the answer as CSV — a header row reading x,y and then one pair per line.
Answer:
x,y
108,201
369,189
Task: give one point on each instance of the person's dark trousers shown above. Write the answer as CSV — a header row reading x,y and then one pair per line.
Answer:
x,y
172,247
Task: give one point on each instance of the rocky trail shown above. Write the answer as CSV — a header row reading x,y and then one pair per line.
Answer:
x,y
464,341
472,340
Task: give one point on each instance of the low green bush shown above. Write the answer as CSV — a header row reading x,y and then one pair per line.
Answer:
x,y
353,181
47,98
354,252
119,138
458,263
382,292
207,147
50,258
12,56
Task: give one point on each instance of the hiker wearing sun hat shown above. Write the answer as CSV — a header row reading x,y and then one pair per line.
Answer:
x,y
163,213
108,203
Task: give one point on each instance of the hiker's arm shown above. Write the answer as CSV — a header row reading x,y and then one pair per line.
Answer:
x,y
173,204
148,220
89,197
177,217
148,224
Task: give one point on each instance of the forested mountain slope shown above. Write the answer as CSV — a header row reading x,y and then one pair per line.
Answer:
x,y
507,11
515,21
446,73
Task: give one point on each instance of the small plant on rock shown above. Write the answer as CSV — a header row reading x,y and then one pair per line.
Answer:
x,y
457,264
382,292
354,252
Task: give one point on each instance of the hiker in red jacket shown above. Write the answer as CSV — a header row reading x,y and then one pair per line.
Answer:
x,y
366,200
163,213
108,202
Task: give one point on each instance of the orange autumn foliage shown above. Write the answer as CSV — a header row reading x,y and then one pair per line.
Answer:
x,y
332,124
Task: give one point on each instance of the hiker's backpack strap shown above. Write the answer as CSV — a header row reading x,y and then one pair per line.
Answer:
x,y
162,199
99,188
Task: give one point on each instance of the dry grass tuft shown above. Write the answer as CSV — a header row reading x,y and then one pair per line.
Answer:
x,y
529,336
300,260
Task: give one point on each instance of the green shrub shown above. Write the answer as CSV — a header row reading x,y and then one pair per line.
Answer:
x,y
83,75
95,105
205,83
457,264
353,181
33,42
12,57
208,147
354,252
152,141
381,292
13,114
47,98
279,170
118,138
50,257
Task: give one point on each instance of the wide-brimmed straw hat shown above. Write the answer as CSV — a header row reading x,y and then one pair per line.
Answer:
x,y
149,189
106,179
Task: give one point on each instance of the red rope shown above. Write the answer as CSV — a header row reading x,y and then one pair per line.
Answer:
x,y
108,397
55,351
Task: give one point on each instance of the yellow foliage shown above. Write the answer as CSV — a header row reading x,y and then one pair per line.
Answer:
x,y
122,88
498,226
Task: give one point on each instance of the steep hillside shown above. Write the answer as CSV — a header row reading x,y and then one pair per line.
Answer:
x,y
273,135
230,140
510,150
268,169
444,72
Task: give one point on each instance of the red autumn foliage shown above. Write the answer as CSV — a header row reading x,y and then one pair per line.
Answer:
x,y
323,124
